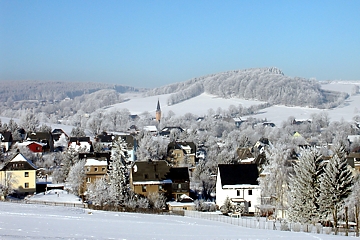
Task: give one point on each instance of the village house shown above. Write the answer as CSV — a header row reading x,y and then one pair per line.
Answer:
x,y
44,138
5,141
19,174
238,182
158,177
181,154
81,144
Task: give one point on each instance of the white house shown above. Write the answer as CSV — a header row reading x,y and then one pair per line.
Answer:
x,y
239,183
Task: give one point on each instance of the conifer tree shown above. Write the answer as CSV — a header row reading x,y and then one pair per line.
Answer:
x,y
118,174
335,187
305,187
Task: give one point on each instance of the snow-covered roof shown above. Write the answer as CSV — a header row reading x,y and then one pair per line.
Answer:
x,y
247,160
27,143
95,162
20,158
152,182
150,128
353,138
241,186
180,204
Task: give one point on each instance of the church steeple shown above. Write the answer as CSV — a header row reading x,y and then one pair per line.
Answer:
x,y
158,112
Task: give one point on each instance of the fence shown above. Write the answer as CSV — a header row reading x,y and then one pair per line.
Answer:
x,y
64,204
264,223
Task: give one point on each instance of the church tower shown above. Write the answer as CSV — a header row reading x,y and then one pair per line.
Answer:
x,y
158,112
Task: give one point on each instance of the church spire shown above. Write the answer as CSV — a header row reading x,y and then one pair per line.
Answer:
x,y
158,112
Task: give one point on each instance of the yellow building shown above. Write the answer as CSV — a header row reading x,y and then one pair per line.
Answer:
x,y
19,174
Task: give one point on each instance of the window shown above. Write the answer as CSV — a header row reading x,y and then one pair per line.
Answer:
x,y
249,204
95,169
103,169
179,186
238,192
143,188
250,192
26,185
88,169
156,176
26,174
146,176
88,180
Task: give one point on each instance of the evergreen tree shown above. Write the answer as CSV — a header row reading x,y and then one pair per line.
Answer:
x,y
335,187
305,187
118,174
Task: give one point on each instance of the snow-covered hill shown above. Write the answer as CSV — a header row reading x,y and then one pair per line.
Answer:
x,y
264,84
201,104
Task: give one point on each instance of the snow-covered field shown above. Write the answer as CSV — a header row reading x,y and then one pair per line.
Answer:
x,y
198,105
27,221
201,104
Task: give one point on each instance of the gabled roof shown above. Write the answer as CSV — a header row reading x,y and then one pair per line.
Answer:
x,y
101,156
179,174
167,130
244,153
19,162
150,171
39,136
80,139
129,139
236,174
108,138
182,145
5,137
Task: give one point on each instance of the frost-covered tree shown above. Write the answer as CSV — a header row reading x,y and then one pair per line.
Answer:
x,y
76,177
77,132
45,128
70,157
228,206
7,184
335,187
98,193
202,179
118,174
151,147
274,179
305,187
29,122
157,200
353,202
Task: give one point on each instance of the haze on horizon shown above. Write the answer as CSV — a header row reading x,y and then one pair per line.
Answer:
x,y
155,43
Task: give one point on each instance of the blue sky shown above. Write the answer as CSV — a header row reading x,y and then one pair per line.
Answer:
x,y
154,43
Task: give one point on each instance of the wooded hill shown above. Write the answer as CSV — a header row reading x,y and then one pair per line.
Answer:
x,y
45,91
263,84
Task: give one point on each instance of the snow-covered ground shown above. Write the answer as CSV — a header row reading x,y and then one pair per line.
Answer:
x,y
55,195
198,105
27,221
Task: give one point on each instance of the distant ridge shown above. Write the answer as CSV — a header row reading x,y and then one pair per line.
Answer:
x,y
54,90
263,84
